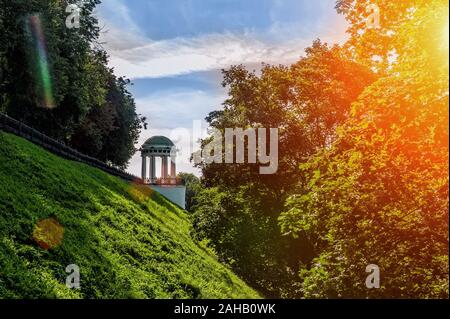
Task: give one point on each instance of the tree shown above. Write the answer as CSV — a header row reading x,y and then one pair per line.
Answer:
x,y
72,83
56,80
378,46
306,101
193,188
110,131
379,194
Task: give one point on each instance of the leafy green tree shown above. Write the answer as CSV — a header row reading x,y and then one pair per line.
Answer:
x,y
379,194
73,81
110,131
78,100
193,188
306,101
120,143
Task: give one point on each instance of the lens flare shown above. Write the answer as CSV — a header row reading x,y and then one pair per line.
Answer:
x,y
39,42
48,233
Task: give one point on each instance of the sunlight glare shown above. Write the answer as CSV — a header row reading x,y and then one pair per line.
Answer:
x,y
445,37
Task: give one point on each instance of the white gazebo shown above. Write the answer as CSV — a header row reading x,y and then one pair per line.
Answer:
x,y
166,184
162,147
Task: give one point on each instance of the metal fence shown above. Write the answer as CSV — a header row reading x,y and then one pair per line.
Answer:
x,y
15,127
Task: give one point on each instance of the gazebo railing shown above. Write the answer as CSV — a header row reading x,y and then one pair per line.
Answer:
x,y
176,181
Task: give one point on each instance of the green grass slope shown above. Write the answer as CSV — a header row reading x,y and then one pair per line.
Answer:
x,y
127,242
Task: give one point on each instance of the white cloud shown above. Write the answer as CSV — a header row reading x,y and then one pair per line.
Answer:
x,y
136,56
116,10
168,110
207,52
116,39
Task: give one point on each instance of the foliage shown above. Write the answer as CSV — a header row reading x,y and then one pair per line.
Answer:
x,y
372,149
379,195
378,46
84,91
306,102
193,187
128,241
111,131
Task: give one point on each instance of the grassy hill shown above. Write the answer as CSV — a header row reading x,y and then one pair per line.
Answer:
x,y
128,241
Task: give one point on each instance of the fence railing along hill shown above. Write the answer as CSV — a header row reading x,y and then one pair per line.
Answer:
x,y
18,128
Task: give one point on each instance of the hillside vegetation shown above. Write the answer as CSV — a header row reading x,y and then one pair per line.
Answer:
x,y
127,241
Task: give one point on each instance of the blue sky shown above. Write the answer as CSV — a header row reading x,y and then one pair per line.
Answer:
x,y
173,51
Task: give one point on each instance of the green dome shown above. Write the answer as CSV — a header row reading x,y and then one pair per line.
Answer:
x,y
157,141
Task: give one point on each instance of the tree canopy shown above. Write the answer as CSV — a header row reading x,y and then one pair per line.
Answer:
x,y
306,101
363,163
56,79
379,195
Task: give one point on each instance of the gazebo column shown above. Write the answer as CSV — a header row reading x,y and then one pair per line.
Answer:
x,y
173,167
164,168
152,168
144,167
